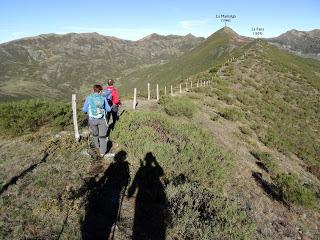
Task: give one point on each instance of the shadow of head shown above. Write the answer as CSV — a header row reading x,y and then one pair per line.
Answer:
x,y
120,156
150,159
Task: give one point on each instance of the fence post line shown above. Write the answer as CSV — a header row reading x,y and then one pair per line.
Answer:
x,y
165,90
180,89
75,121
157,92
149,91
171,91
134,98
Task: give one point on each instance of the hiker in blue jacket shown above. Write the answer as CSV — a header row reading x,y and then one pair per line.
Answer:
x,y
97,107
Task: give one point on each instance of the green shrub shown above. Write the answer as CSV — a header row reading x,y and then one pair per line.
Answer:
x,y
293,191
231,113
26,116
267,159
246,130
226,98
197,213
178,106
179,148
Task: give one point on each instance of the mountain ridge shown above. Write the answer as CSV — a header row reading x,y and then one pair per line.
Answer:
x,y
304,43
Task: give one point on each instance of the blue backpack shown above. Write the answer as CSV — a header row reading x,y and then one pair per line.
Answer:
x,y
107,93
96,106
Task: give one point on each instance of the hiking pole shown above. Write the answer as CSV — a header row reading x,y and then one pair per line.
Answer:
x,y
119,211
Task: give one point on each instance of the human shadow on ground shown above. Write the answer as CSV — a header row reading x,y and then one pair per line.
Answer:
x,y
151,206
105,198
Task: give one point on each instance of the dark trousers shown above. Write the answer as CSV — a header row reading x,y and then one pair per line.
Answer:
x,y
114,114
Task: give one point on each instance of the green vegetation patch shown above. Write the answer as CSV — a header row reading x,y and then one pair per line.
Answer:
x,y
199,214
178,106
20,117
231,113
267,159
293,191
195,171
179,148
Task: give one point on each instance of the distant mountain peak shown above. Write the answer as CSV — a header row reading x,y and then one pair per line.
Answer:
x,y
229,30
300,42
152,36
234,36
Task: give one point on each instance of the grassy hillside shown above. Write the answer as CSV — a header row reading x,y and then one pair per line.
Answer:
x,y
214,51
278,96
55,195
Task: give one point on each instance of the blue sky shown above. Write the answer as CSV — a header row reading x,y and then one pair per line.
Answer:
x,y
135,19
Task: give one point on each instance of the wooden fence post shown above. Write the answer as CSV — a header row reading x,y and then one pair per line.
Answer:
x,y
180,89
157,92
165,90
134,98
186,86
191,84
198,84
148,91
171,91
75,121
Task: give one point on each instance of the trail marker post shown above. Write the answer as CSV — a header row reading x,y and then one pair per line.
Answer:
x,y
148,91
75,121
157,92
134,98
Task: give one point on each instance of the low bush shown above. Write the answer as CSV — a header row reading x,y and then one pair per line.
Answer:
x,y
246,130
293,191
197,213
231,113
178,106
25,116
267,159
180,148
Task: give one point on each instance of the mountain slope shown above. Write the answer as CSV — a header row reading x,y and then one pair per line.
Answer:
x,y
238,159
54,65
212,52
306,43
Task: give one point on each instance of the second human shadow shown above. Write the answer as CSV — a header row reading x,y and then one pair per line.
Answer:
x,y
151,207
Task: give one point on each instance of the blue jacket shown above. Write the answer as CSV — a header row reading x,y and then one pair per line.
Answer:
x,y
86,105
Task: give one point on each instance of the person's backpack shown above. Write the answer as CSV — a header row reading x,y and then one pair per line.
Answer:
x,y
107,94
96,106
